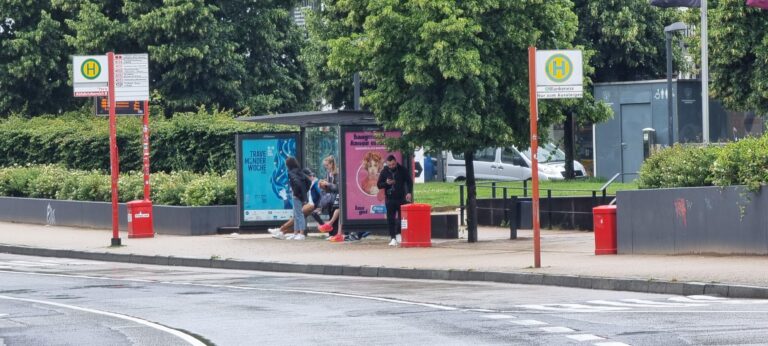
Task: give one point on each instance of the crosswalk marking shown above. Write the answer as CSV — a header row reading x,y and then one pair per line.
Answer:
x,y
498,316
584,337
572,307
649,304
529,322
720,301
556,329
660,304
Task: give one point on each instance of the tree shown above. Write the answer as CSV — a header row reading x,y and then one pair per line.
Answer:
x,y
271,44
453,75
33,59
627,37
329,87
738,48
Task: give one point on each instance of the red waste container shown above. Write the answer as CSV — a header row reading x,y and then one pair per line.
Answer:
x,y
140,219
604,219
416,225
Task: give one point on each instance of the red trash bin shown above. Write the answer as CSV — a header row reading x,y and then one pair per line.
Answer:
x,y
416,225
604,219
140,219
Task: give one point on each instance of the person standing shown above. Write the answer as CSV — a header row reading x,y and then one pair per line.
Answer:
x,y
396,181
300,184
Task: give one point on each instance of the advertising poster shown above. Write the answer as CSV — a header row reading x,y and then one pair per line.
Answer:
x,y
365,158
266,194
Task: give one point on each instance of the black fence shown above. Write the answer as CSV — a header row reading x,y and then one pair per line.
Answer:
x,y
512,206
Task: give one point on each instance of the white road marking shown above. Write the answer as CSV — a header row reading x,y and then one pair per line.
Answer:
x,y
660,304
639,305
613,343
529,323
557,329
584,337
721,301
1,315
498,316
188,338
702,297
572,307
29,264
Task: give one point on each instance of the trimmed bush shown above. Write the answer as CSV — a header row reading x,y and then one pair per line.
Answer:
x,y
678,166
196,142
742,163
175,188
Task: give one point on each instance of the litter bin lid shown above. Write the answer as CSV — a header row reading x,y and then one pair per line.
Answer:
x,y
417,206
140,203
604,209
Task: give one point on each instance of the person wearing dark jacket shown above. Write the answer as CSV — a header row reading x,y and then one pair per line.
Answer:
x,y
300,184
396,181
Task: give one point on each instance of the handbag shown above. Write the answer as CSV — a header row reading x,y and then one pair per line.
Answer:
x,y
326,200
763,4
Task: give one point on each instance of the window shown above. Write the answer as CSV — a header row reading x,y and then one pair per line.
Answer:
x,y
487,155
511,156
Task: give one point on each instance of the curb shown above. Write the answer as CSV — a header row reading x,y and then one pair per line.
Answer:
x,y
574,281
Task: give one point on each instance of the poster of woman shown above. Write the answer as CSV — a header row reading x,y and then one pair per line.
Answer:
x,y
364,155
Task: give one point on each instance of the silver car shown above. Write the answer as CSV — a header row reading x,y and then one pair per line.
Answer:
x,y
508,164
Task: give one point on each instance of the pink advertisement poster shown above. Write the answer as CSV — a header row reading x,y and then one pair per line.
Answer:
x,y
365,157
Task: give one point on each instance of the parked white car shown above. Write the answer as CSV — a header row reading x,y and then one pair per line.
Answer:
x,y
508,164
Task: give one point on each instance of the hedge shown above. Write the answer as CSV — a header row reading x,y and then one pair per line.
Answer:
x,y
744,162
175,188
195,142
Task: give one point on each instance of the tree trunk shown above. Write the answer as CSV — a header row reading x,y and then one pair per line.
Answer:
x,y
469,157
568,144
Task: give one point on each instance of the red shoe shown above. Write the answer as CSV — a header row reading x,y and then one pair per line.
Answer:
x,y
326,227
339,238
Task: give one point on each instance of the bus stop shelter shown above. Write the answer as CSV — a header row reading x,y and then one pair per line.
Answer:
x,y
353,138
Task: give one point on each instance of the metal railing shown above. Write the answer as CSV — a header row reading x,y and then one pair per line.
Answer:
x,y
600,194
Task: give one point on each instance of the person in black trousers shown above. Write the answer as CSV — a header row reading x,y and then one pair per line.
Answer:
x,y
396,181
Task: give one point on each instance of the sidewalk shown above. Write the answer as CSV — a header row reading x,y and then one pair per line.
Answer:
x,y
567,259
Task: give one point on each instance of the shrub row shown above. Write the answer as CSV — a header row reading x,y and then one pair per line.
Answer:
x,y
738,163
195,142
175,188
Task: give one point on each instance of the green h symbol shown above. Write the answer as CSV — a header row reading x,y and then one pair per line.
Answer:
x,y
90,68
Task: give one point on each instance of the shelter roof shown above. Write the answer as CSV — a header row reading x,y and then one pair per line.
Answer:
x,y
318,118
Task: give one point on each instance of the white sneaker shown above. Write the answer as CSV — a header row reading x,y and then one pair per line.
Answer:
x,y
393,242
399,238
299,237
278,235
289,237
273,231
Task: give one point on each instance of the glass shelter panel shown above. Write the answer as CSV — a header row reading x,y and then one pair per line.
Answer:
x,y
320,142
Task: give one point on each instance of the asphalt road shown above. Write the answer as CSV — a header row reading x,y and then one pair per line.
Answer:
x,y
51,301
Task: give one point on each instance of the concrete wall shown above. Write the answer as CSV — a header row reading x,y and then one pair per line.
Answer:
x,y
167,219
699,220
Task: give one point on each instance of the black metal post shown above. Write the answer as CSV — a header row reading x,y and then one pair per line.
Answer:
x,y
525,188
549,208
461,203
493,190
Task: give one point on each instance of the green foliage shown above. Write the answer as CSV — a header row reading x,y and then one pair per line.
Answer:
x,y
176,188
627,37
738,49
33,59
678,166
198,142
234,54
451,75
743,163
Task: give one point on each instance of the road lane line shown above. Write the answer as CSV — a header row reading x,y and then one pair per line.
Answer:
x,y
612,343
639,305
186,337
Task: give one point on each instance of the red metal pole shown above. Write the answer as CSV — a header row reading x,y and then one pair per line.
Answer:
x,y
114,164
145,140
534,157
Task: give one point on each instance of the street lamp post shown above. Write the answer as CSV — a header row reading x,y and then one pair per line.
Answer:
x,y
678,26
